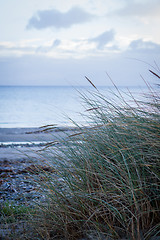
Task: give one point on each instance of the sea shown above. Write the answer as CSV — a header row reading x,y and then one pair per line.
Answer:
x,y
35,106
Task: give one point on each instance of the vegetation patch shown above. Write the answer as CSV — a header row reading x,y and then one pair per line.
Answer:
x,y
108,174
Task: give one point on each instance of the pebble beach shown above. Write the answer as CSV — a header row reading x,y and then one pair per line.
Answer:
x,y
21,164
19,157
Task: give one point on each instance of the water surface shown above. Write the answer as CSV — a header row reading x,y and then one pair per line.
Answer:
x,y
37,106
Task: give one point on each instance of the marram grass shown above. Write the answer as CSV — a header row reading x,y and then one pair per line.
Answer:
x,y
110,173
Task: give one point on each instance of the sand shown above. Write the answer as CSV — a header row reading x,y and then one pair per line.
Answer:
x,y
33,134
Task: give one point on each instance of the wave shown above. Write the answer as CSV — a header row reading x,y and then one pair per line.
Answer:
x,y
22,144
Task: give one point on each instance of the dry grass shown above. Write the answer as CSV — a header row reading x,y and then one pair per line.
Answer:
x,y
110,174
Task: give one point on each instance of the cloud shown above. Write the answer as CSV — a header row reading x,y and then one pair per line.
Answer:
x,y
46,49
63,48
54,18
101,45
40,70
56,43
9,48
144,46
103,38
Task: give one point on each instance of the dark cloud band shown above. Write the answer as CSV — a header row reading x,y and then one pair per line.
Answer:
x,y
144,46
103,38
54,18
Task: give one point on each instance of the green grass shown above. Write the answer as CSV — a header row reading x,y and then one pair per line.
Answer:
x,y
110,173
15,222
10,212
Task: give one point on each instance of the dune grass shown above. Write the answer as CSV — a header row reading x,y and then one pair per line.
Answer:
x,y
108,177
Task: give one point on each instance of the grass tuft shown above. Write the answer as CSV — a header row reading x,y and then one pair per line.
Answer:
x,y
108,179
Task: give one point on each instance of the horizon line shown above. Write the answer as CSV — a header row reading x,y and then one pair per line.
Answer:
x,y
73,86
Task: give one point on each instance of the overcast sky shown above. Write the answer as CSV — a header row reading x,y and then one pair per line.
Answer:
x,y
59,42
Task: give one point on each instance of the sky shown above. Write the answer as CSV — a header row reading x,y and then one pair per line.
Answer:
x,y
60,42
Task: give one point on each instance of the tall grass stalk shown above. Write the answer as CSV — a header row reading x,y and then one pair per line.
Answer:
x,y
109,173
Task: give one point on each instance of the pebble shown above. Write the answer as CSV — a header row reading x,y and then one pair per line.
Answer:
x,y
20,179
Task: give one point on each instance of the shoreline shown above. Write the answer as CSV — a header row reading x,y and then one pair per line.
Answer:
x,y
33,136
21,162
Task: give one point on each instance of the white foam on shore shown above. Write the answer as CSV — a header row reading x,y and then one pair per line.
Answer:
x,y
22,144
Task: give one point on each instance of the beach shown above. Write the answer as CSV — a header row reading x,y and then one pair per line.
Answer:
x,y
21,159
11,136
22,162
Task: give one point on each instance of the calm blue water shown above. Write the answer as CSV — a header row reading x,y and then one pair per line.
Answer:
x,y
37,106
